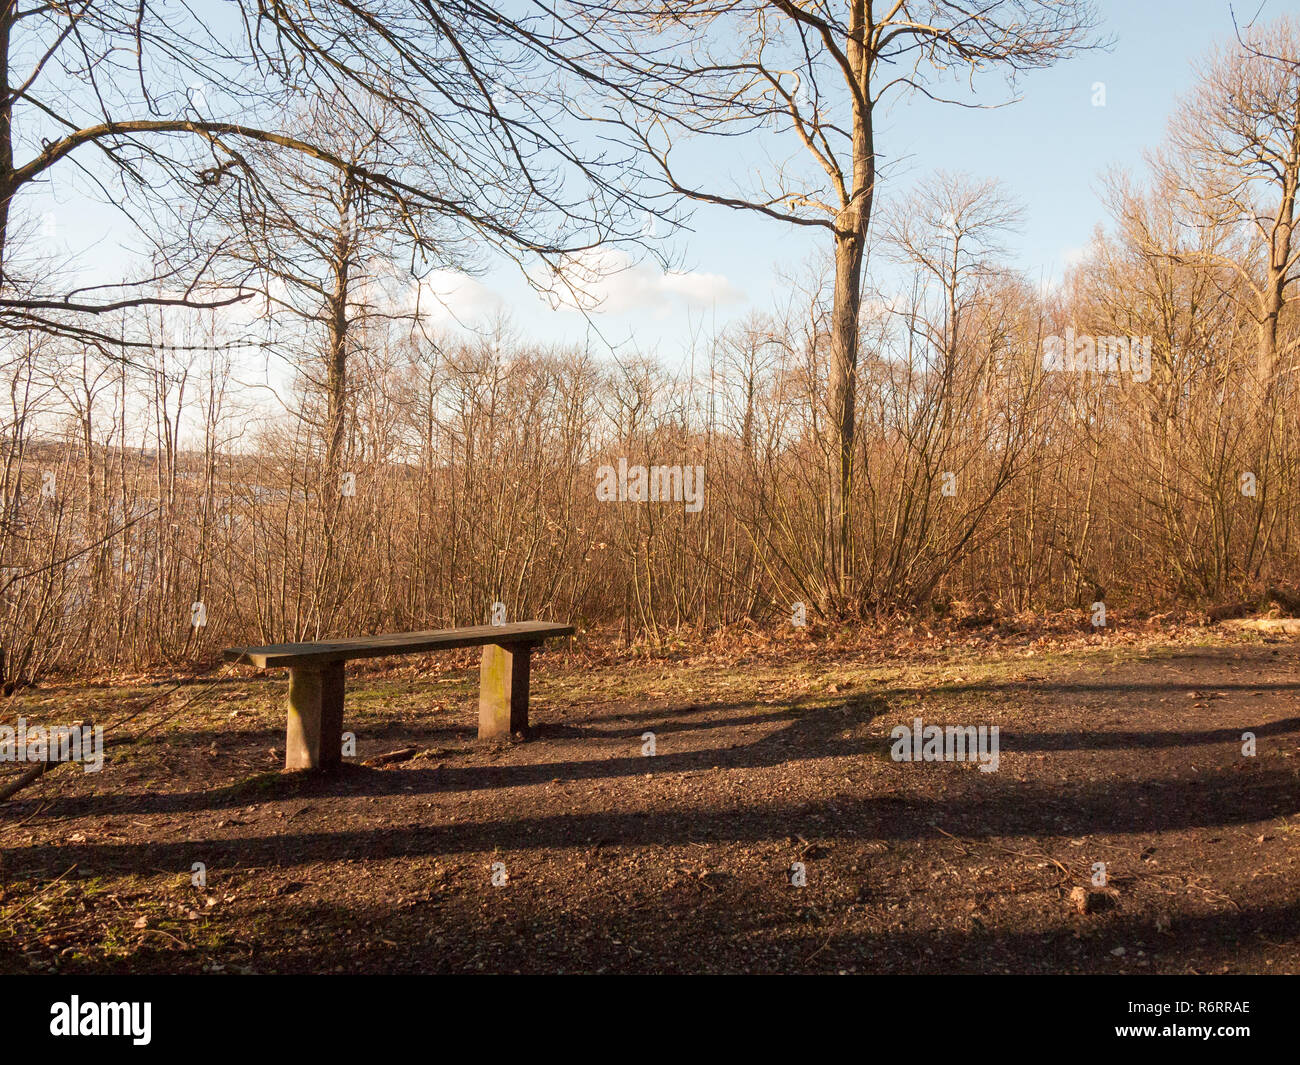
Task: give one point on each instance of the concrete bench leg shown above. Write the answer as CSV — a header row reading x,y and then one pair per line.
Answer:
x,y
503,690
314,738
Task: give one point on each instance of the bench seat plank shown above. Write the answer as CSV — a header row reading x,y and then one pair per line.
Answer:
x,y
320,653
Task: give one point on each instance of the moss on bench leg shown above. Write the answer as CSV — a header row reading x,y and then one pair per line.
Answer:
x,y
503,690
314,737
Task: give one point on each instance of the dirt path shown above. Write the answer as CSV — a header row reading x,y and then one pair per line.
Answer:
x,y
612,860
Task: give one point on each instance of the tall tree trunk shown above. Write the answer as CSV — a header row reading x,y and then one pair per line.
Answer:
x,y
843,407
1274,296
336,384
850,251
330,587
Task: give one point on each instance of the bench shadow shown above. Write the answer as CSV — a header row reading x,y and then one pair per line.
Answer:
x,y
805,733
974,804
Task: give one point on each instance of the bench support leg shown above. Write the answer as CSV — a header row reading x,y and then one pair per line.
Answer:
x,y
503,691
314,738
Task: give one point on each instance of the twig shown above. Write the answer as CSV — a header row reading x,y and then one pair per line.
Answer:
x,y
38,771
32,774
1028,855
38,894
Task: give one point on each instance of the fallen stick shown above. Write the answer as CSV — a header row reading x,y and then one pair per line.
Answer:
x,y
402,754
32,774
37,771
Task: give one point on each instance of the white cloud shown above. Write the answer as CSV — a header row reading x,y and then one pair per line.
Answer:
x,y
1074,256
450,297
611,283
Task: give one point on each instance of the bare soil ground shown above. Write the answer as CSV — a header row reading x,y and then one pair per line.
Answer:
x,y
1124,750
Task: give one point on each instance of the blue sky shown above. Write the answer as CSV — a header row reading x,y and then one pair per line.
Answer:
x,y
1049,149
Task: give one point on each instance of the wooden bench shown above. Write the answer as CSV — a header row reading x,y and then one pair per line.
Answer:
x,y
314,736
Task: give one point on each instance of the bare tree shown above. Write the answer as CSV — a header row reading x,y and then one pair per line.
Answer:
x,y
1237,162
327,257
816,73
141,98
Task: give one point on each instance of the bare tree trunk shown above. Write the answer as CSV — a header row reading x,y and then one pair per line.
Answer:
x,y
843,406
337,353
1274,295
851,226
